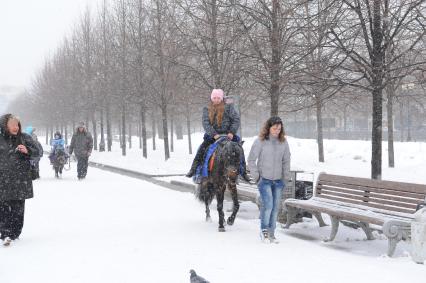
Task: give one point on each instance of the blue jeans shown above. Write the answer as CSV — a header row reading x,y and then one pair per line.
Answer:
x,y
270,193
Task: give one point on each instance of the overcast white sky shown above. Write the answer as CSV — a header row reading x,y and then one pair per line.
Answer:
x,y
30,30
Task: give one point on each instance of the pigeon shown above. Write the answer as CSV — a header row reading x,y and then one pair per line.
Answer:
x,y
194,278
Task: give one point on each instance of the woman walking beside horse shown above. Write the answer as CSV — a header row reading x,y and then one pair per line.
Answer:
x,y
269,164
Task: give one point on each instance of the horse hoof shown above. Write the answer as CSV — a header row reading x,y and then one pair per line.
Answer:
x,y
230,221
221,229
208,219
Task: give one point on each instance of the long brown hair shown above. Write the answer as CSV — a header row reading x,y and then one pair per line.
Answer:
x,y
216,110
264,132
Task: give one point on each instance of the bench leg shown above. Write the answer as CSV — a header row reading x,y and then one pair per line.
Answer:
x,y
366,228
392,242
334,227
319,219
395,231
291,214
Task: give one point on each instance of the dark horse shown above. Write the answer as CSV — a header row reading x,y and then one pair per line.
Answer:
x,y
59,159
223,175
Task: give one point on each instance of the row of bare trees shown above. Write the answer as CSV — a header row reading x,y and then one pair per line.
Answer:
x,y
154,62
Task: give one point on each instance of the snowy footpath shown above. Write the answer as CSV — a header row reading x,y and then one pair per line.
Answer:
x,y
111,228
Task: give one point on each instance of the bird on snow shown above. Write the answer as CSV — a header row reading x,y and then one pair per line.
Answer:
x,y
194,278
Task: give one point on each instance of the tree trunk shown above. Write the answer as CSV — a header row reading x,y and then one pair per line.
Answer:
x,y
153,131
320,140
47,135
123,129
102,142
171,132
401,121
389,107
376,136
179,130
66,134
143,128
241,126
95,132
130,134
108,124
140,135
188,127
276,58
165,131
378,68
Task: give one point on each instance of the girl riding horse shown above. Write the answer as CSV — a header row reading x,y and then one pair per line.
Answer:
x,y
58,156
219,119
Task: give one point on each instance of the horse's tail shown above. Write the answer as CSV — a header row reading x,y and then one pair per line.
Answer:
x,y
205,192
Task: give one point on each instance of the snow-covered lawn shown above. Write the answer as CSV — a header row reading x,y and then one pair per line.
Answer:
x,y
111,228
344,157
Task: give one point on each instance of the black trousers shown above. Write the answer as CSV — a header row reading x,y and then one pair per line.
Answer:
x,y
82,164
11,218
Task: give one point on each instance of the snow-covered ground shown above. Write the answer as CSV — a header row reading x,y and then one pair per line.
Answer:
x,y
111,228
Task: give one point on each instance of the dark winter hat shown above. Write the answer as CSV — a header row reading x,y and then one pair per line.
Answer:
x,y
58,135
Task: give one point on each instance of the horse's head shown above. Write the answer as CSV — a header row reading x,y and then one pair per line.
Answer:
x,y
230,155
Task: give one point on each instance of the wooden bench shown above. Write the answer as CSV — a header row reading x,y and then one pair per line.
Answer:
x,y
385,206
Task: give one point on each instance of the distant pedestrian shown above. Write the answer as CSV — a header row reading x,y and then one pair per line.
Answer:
x,y
269,164
35,168
16,150
81,145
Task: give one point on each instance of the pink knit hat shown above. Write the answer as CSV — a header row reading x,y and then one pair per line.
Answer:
x,y
217,93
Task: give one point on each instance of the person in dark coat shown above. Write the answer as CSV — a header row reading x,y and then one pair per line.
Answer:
x,y
81,145
218,119
35,160
16,150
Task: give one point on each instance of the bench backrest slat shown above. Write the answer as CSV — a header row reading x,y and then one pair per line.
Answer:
x,y
363,199
374,205
373,193
390,185
415,196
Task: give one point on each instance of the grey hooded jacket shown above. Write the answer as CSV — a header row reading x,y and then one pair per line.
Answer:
x,y
269,159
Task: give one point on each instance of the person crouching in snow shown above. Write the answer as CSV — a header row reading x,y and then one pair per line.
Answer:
x,y
218,119
16,150
269,164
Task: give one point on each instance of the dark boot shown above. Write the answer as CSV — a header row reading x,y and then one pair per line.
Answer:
x,y
197,159
244,172
193,169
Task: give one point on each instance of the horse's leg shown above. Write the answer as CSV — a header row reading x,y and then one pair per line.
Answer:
x,y
219,198
235,206
56,172
208,218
